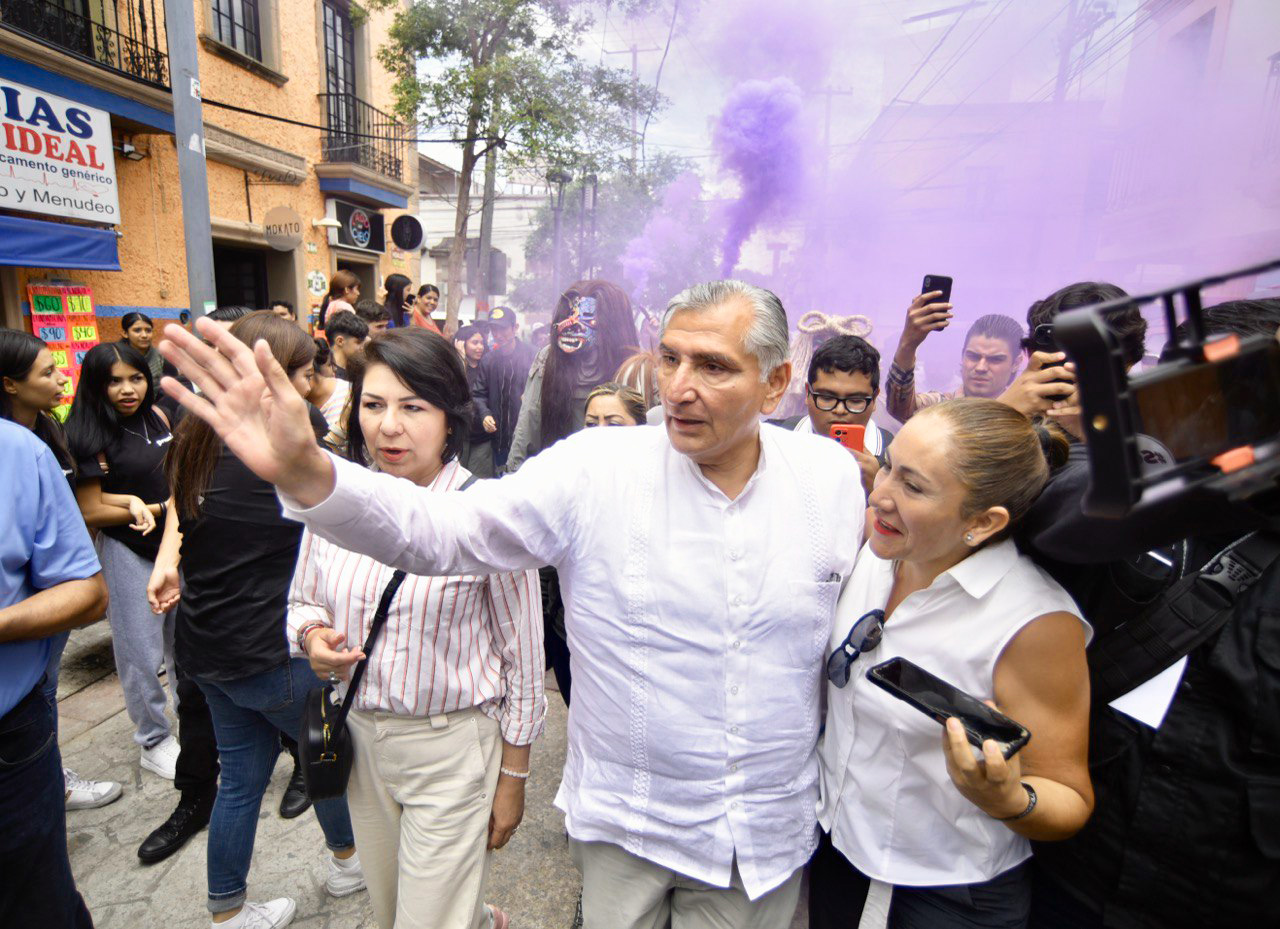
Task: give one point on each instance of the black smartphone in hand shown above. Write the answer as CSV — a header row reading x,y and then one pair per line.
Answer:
x,y
939,700
940,282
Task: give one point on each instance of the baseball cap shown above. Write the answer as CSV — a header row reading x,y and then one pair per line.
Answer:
x,y
502,316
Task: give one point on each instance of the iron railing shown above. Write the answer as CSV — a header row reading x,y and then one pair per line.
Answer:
x,y
124,37
359,133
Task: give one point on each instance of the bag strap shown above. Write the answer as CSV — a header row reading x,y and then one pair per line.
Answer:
x,y
1181,619
379,620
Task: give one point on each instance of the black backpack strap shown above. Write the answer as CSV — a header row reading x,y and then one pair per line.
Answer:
x,y
1184,617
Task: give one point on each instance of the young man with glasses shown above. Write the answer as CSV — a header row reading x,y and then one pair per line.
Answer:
x,y
843,384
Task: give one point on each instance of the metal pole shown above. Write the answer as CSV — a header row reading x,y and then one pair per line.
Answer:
x,y
484,299
555,254
188,132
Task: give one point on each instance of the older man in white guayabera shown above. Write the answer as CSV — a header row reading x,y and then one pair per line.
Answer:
x,y
700,566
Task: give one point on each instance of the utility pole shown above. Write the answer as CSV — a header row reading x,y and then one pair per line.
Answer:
x,y
188,135
558,177
486,228
1068,44
635,89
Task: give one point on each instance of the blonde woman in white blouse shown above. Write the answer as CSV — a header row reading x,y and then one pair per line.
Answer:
x,y
452,696
914,824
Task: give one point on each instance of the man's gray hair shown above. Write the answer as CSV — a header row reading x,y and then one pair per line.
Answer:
x,y
767,338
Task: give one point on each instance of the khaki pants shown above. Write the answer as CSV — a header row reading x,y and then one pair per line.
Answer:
x,y
420,795
623,891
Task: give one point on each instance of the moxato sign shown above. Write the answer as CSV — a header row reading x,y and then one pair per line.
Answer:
x,y
283,228
55,156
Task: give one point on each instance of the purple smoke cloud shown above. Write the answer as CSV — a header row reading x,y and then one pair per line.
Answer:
x,y
759,141
668,231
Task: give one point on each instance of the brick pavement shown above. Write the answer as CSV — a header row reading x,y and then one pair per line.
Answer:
x,y
533,879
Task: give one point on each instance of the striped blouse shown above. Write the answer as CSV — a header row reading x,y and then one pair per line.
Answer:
x,y
450,643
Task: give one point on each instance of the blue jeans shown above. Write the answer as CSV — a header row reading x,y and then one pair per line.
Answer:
x,y
36,886
248,716
57,645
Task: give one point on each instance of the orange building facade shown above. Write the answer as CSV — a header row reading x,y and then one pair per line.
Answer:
x,y
342,177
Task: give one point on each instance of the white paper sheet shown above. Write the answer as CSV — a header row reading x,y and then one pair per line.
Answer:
x,y
1148,703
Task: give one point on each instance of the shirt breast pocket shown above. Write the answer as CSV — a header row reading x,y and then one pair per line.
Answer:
x,y
811,605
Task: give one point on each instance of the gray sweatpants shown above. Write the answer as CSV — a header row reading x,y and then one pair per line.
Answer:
x,y
141,640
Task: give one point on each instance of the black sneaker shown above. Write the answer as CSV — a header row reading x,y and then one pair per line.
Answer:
x,y
190,816
295,801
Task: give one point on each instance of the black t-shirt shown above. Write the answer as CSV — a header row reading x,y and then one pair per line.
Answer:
x,y
238,558
135,466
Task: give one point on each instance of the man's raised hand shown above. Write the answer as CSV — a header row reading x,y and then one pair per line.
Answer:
x,y
248,399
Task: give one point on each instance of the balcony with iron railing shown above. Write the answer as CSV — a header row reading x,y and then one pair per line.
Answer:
x,y
124,36
359,133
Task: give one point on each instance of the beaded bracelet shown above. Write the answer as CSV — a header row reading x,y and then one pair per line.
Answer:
x,y
305,630
518,775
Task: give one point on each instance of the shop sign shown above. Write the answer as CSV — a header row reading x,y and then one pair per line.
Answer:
x,y
283,228
55,156
64,317
360,228
317,284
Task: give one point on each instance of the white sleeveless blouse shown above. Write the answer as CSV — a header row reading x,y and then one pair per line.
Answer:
x,y
886,797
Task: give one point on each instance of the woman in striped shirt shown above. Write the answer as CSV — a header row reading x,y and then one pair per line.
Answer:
x,y
452,695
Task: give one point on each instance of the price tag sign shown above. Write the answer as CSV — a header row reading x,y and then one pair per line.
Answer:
x,y
63,316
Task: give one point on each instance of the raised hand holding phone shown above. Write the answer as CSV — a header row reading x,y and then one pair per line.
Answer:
x,y
929,312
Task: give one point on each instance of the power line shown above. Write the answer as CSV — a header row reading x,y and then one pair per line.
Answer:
x,y
920,67
1042,96
951,112
346,134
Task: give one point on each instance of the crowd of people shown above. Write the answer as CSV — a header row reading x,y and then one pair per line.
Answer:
x,y
241,499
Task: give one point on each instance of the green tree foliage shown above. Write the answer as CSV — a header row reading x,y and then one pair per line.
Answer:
x,y
506,73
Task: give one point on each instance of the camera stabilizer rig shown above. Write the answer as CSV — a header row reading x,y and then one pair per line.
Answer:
x,y
1207,418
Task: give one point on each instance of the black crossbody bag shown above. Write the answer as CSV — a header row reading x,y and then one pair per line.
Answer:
x,y
324,743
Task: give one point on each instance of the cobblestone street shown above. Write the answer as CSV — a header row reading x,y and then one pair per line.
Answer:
x,y
533,879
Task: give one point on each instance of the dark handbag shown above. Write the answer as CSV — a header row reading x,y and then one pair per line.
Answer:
x,y
324,744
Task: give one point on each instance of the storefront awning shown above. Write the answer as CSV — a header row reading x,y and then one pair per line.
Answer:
x,y
32,243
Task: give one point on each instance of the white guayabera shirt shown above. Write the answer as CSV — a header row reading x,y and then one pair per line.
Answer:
x,y
697,625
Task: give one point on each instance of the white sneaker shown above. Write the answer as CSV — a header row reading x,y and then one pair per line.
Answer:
x,y
345,876
162,757
270,915
84,794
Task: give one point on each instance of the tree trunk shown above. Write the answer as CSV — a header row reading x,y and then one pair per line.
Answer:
x,y
484,291
458,248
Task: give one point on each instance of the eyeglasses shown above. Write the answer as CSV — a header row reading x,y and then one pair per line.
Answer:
x,y
862,638
827,402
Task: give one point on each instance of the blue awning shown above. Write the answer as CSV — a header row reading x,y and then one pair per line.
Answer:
x,y
33,243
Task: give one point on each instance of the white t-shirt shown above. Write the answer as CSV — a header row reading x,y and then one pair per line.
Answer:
x,y
887,799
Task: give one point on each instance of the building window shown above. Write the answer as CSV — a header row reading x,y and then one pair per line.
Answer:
x,y
236,23
339,49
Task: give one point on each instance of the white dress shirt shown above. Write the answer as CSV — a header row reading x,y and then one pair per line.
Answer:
x,y
887,799
449,643
697,627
